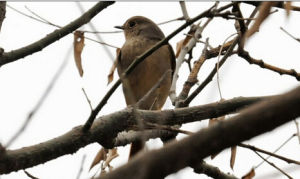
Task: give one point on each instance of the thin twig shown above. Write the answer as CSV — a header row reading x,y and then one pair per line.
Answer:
x,y
297,128
289,34
192,78
279,5
212,73
172,20
218,64
185,50
108,52
246,56
273,165
283,144
81,167
34,47
87,98
42,98
42,19
30,175
253,148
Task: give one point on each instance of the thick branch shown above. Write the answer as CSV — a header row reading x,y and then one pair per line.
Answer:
x,y
14,55
106,129
255,120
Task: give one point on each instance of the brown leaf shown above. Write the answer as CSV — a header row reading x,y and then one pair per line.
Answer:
x,y
232,157
112,154
101,156
250,174
288,7
182,43
178,47
110,76
78,47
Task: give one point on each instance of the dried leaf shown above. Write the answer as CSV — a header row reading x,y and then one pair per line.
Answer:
x,y
182,43
78,47
288,7
112,154
250,174
113,151
178,47
110,76
232,157
101,156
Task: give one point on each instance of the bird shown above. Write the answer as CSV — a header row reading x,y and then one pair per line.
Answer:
x,y
141,34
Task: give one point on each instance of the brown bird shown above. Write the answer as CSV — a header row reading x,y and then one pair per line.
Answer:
x,y
141,34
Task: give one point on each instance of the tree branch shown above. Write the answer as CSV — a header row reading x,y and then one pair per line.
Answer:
x,y
211,171
245,55
212,74
14,55
279,5
107,128
250,123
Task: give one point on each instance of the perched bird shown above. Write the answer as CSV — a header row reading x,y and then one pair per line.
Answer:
x,y
141,34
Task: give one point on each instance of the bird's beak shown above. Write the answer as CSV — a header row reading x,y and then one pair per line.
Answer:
x,y
120,27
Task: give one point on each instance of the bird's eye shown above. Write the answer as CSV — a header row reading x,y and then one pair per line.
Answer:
x,y
131,24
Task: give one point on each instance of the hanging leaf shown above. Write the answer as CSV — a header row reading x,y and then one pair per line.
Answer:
x,y
110,76
101,156
232,157
182,43
178,47
249,175
78,47
112,154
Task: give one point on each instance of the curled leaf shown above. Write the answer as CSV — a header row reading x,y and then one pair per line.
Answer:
x,y
78,47
182,43
112,154
101,156
110,76
178,47
233,156
250,174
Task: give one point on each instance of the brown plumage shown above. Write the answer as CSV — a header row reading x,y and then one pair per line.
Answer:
x,y
141,34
